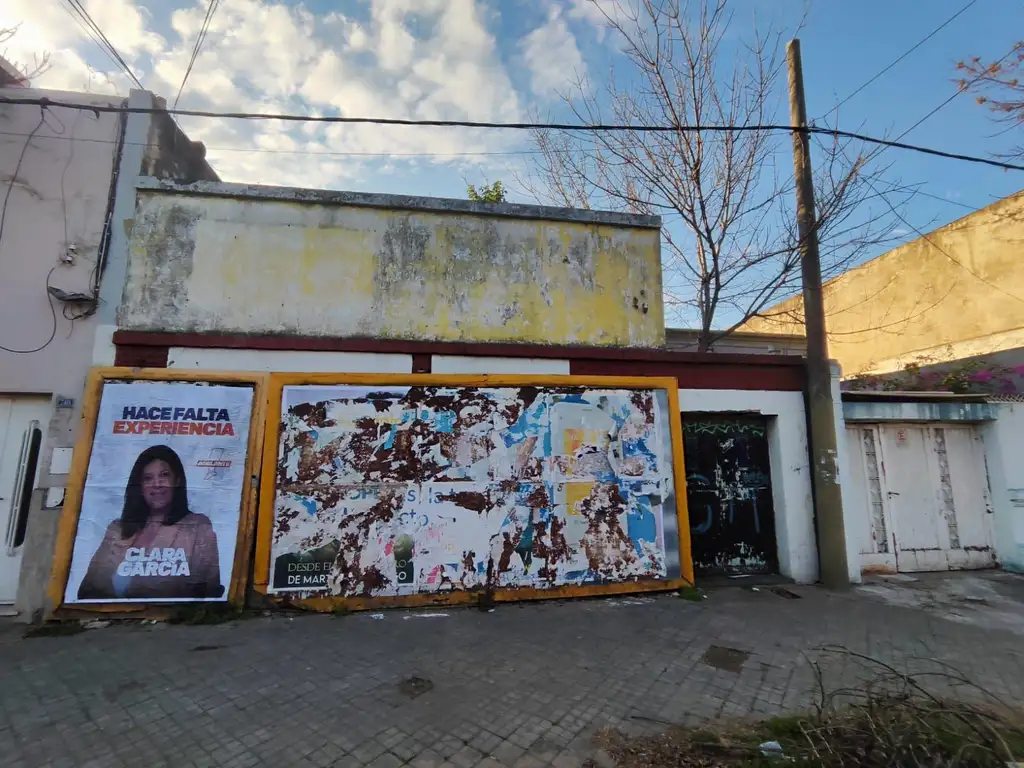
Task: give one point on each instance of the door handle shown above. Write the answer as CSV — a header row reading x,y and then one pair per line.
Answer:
x,y
892,493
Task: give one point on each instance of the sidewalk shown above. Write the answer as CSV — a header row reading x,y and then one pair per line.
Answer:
x,y
525,685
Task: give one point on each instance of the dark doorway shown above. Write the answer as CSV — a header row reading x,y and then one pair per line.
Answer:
x,y
729,494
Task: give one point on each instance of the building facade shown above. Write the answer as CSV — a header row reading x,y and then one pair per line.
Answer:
x,y
63,169
952,295
209,276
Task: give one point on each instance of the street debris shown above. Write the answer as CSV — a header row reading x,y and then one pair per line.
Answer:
x,y
771,749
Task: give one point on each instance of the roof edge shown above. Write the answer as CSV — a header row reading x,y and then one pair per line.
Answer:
x,y
398,202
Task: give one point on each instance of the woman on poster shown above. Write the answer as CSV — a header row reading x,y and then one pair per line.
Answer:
x,y
158,549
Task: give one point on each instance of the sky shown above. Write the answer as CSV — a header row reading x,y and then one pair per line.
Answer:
x,y
506,60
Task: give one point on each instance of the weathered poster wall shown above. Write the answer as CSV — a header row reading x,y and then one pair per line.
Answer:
x,y
160,508
399,490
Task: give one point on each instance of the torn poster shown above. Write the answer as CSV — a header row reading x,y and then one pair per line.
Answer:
x,y
402,490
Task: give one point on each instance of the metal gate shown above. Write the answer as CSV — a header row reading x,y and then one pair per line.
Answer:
x,y
729,494
922,497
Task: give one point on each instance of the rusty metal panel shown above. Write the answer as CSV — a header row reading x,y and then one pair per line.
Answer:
x,y
389,490
729,494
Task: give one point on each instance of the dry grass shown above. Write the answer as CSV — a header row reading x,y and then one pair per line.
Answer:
x,y
923,719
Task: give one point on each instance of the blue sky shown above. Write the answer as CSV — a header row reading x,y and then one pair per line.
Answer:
x,y
504,60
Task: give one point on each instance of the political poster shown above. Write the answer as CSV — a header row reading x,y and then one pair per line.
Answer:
x,y
163,493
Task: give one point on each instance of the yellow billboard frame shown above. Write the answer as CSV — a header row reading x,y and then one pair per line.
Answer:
x,y
68,526
268,488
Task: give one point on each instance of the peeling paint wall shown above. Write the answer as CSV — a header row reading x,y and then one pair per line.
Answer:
x,y
252,265
404,490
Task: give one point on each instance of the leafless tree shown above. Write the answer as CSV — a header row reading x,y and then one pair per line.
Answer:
x,y
730,243
999,85
40,62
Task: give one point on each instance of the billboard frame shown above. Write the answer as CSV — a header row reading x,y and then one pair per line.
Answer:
x,y
67,528
268,490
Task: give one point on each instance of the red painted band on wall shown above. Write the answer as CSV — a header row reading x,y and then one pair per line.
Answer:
x,y
693,370
411,347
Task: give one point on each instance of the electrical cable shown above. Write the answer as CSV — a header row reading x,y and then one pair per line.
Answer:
x,y
896,142
942,250
103,41
17,168
262,150
53,330
592,127
3,220
211,9
313,153
909,51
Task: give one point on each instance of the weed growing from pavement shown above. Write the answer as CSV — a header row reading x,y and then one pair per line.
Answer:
x,y
931,717
55,629
693,594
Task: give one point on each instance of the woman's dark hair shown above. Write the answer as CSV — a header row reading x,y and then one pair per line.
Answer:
x,y
135,513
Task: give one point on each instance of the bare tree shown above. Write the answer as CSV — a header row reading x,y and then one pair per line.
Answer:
x,y
40,63
999,85
730,247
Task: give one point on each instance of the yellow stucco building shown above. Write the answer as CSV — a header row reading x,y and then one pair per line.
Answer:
x,y
252,260
957,293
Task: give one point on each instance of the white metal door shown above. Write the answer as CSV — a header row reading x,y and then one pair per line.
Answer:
x,y
868,521
922,497
22,421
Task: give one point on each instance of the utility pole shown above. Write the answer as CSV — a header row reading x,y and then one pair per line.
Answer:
x,y
828,502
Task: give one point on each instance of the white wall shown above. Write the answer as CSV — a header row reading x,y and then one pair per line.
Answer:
x,y
58,201
514,365
1004,449
790,468
287,361
350,362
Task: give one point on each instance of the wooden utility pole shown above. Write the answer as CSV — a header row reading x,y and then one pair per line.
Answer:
x,y
828,502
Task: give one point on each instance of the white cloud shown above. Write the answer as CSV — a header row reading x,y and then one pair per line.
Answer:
x,y
552,56
46,28
596,12
430,59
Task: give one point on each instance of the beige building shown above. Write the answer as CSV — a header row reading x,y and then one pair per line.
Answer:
x,y
955,294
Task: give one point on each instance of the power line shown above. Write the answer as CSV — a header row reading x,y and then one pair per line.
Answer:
x,y
80,15
211,9
593,127
315,153
947,101
942,199
942,250
262,150
909,51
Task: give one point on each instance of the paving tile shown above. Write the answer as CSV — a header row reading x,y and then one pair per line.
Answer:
x,y
525,686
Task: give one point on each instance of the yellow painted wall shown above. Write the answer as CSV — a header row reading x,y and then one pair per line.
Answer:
x,y
249,265
959,289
